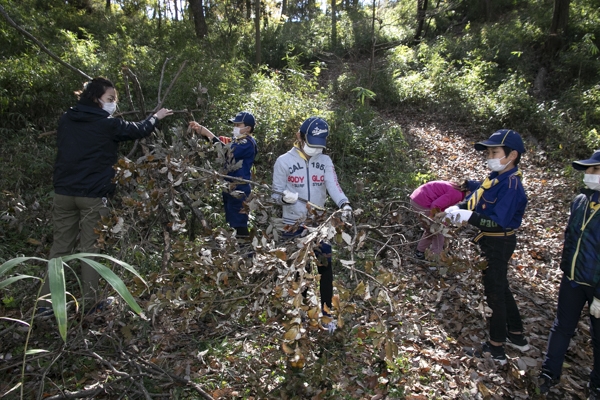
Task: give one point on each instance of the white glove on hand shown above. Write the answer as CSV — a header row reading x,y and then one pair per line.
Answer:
x,y
346,212
451,208
459,216
290,197
595,308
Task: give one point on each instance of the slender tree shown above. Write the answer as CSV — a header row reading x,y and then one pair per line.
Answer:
x,y
311,8
421,11
197,11
257,30
333,25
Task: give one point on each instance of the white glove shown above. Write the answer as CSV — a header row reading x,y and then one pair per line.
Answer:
x,y
346,212
595,308
451,208
290,197
459,216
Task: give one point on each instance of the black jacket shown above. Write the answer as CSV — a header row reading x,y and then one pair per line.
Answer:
x,y
88,142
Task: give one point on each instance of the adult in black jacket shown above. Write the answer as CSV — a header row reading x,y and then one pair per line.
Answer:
x,y
88,140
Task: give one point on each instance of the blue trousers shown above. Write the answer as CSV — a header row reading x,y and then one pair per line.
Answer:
x,y
571,299
233,206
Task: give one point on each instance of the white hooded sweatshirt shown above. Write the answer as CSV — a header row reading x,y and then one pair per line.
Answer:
x,y
312,179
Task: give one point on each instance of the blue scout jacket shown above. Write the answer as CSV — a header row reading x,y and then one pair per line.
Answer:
x,y
580,259
243,149
502,206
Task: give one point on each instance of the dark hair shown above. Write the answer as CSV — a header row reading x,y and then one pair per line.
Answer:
x,y
507,151
95,89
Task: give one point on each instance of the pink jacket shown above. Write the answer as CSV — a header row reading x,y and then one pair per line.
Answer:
x,y
437,194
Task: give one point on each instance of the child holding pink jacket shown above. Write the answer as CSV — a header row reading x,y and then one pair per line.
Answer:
x,y
429,199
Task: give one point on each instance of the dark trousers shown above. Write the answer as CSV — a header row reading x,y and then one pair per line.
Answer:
x,y
571,299
505,314
323,253
233,206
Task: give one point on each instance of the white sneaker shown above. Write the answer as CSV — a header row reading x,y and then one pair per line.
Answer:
x,y
330,326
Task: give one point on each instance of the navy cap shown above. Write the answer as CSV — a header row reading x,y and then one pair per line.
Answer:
x,y
582,165
316,131
244,117
503,137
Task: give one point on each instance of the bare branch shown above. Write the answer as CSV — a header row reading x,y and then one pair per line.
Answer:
x,y
162,74
161,101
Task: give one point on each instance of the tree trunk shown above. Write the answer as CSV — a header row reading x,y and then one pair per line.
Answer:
x,y
560,17
421,10
249,8
159,15
107,6
283,7
257,29
373,41
560,22
487,6
197,10
333,26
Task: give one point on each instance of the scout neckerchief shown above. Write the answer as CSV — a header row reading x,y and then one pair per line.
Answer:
x,y
487,183
592,209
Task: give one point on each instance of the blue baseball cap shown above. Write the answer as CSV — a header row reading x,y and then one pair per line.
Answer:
x,y
503,137
244,117
316,131
582,165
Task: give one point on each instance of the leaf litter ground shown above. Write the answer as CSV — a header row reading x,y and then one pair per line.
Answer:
x,y
425,318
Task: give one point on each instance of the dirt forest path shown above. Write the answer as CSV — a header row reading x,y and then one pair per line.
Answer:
x,y
534,275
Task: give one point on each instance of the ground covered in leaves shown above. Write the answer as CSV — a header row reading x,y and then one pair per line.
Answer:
x,y
403,324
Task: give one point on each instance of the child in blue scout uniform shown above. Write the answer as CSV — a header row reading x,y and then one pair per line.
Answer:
x,y
496,206
580,283
244,149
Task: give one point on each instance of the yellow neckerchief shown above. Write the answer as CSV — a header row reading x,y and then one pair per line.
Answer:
x,y
487,183
297,146
242,136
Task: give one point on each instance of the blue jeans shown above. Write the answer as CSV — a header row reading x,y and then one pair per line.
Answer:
x,y
505,314
323,253
571,299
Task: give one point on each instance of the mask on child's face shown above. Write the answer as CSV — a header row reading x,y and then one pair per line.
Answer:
x,y
236,132
110,108
495,165
592,181
312,151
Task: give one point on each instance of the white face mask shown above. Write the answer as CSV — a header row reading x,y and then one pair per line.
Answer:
x,y
237,132
110,108
592,181
495,165
312,151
